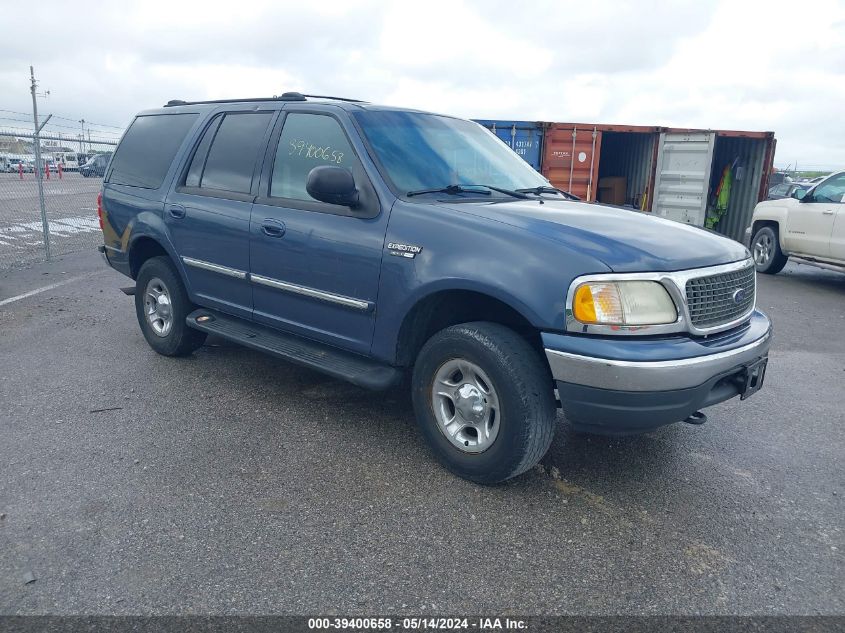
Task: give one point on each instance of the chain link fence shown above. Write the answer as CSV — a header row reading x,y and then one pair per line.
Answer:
x,y
71,176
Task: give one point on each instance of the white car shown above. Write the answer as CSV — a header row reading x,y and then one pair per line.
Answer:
x,y
809,227
68,160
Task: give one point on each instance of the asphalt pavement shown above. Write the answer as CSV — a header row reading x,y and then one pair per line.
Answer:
x,y
230,482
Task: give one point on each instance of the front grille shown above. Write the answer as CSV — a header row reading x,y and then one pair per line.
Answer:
x,y
713,300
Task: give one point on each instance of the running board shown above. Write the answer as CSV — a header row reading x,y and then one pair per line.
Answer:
x,y
358,370
809,261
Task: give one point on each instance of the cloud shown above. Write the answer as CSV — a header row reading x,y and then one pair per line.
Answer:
x,y
707,63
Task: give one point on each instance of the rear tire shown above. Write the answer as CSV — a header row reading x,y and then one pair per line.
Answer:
x,y
484,401
769,259
161,305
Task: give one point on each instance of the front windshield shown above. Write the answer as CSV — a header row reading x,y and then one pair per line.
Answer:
x,y
426,151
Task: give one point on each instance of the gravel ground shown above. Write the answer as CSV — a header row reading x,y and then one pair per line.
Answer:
x,y
230,482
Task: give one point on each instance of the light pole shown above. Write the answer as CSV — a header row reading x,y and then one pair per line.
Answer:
x,y
82,138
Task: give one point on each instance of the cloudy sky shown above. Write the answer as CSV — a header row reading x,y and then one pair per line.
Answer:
x,y
727,64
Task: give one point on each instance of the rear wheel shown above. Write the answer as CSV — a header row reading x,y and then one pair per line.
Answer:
x,y
484,401
765,248
161,305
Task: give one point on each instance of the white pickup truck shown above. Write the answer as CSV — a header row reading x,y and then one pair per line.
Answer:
x,y
809,227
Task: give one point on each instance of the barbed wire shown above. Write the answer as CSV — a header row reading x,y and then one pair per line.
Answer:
x,y
77,131
63,118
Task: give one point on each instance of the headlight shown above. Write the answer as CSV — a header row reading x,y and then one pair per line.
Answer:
x,y
623,303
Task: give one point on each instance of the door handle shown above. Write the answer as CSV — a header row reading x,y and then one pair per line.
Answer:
x,y
828,212
176,211
273,228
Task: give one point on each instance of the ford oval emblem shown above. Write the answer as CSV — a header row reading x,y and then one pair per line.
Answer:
x,y
739,295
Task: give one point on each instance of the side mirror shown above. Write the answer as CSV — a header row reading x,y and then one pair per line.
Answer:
x,y
799,194
333,185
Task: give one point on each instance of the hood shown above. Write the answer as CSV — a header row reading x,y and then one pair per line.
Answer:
x,y
625,240
778,203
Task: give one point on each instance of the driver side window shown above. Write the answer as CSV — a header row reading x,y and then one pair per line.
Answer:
x,y
830,190
307,141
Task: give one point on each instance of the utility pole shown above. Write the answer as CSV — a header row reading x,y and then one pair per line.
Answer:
x,y
82,142
45,227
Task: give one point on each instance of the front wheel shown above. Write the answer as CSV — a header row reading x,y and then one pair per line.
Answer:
x,y
765,248
162,304
484,401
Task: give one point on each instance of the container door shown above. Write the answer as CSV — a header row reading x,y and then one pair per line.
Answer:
x,y
525,141
682,178
571,159
523,137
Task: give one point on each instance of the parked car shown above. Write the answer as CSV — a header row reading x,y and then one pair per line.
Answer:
x,y
12,165
778,178
44,163
96,166
371,243
68,160
787,190
809,226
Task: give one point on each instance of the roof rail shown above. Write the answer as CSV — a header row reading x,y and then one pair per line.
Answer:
x,y
335,98
287,96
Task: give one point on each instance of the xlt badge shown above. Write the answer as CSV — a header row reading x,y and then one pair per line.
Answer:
x,y
404,250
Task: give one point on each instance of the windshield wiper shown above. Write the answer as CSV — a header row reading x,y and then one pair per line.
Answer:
x,y
545,189
454,190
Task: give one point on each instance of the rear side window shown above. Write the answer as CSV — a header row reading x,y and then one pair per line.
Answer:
x,y
226,155
148,148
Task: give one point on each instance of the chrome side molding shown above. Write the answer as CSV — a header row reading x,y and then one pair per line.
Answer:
x,y
349,302
215,268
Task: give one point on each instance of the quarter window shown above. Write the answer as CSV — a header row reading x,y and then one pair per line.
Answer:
x,y
307,141
148,148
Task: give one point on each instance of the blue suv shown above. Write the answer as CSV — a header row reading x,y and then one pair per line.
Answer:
x,y
371,243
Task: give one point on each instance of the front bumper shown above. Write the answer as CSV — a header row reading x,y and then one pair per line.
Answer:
x,y
623,385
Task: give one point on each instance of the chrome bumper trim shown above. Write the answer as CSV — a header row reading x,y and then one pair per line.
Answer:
x,y
665,375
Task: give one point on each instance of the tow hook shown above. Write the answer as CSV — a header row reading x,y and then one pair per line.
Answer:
x,y
697,418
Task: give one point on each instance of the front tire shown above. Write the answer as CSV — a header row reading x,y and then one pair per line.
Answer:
x,y
484,401
765,248
161,305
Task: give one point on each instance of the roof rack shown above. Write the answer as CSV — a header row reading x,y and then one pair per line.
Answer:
x,y
333,98
287,96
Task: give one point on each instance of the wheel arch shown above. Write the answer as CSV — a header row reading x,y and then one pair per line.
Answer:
x,y
770,214
758,224
143,247
445,307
